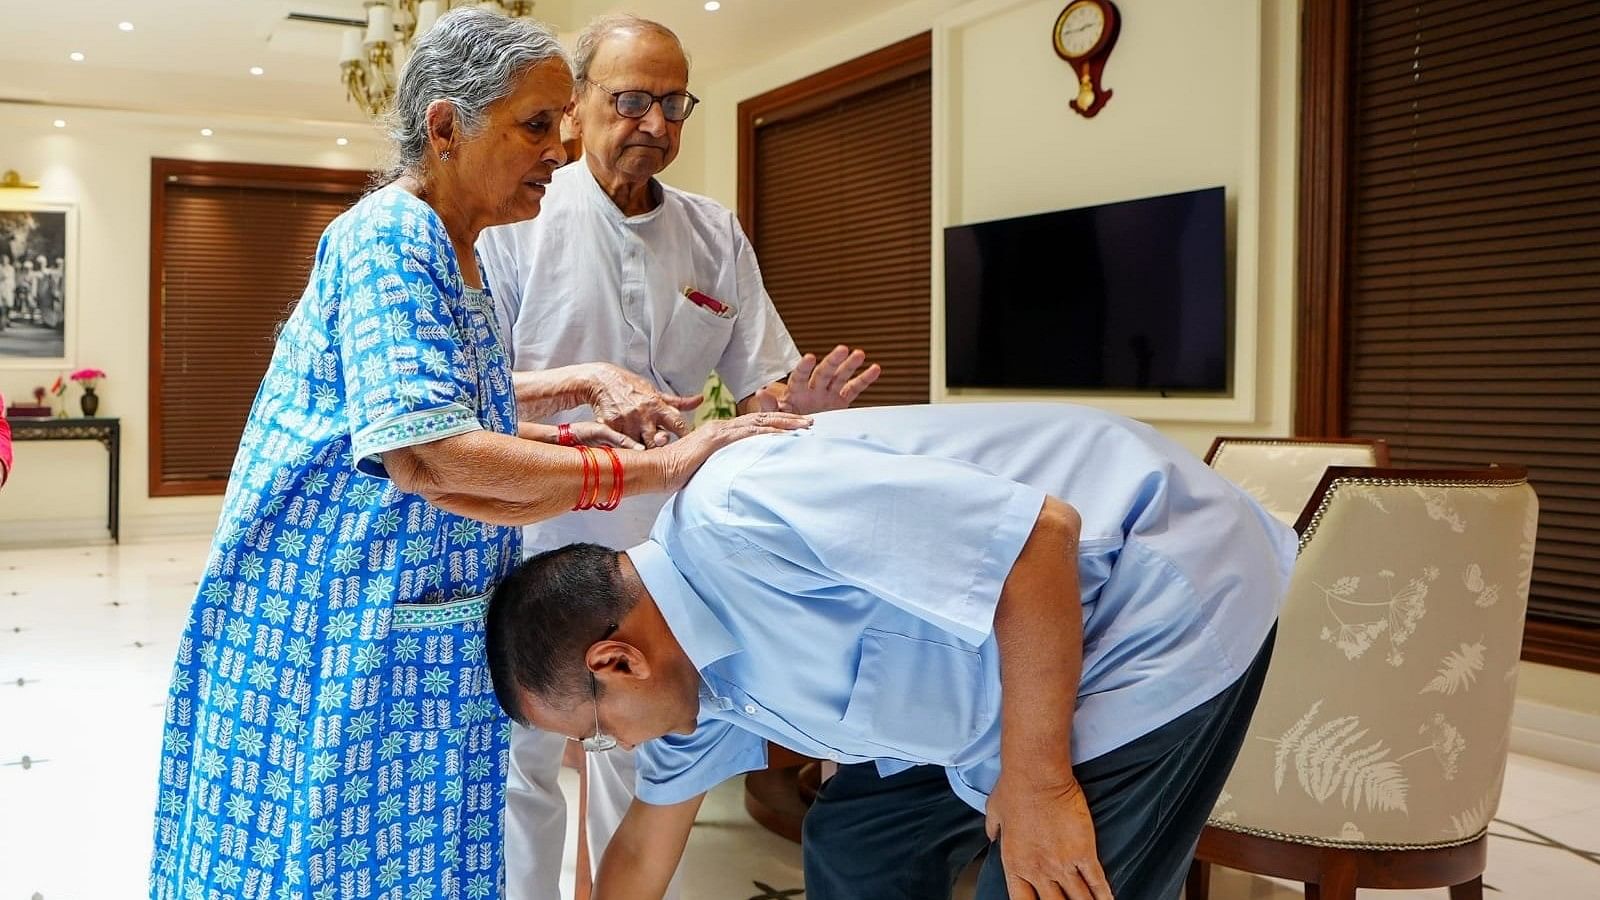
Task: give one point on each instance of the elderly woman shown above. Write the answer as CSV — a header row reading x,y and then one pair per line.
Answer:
x,y
331,729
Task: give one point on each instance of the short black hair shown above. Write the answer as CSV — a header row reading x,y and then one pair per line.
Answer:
x,y
545,615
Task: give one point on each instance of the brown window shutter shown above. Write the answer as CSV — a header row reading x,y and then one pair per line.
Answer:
x,y
231,257
842,228
1475,269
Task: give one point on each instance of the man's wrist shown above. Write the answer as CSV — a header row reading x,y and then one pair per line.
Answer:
x,y
1037,758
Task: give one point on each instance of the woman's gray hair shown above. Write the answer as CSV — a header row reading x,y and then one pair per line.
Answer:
x,y
595,33
472,57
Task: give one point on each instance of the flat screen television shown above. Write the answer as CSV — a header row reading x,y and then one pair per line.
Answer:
x,y
1124,297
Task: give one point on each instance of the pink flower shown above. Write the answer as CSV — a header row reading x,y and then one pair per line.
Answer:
x,y
89,375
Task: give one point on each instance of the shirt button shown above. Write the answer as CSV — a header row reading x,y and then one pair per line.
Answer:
x,y
749,709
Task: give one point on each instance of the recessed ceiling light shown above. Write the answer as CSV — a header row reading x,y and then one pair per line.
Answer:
x,y
125,26
712,5
60,123
75,56
205,132
342,141
257,70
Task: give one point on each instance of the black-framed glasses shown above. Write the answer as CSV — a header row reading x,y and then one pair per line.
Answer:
x,y
599,742
675,107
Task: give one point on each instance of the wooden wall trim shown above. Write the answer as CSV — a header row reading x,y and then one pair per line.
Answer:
x,y
1327,42
891,63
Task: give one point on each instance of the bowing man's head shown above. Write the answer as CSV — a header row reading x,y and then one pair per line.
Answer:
x,y
576,646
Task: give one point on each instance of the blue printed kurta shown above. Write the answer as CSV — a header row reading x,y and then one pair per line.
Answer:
x,y
331,730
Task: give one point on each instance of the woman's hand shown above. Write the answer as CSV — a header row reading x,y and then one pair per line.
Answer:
x,y
593,434
630,404
690,452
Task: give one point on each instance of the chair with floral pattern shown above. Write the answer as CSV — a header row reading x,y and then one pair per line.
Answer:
x,y
1281,473
1376,754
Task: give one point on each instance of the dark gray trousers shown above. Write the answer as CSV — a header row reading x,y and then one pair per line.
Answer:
x,y
908,836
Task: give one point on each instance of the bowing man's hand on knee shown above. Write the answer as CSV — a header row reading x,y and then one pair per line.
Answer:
x,y
1046,837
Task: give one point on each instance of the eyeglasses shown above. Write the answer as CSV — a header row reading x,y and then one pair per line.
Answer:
x,y
675,107
599,742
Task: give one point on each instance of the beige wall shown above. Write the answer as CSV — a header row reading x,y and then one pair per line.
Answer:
x,y
100,163
1183,117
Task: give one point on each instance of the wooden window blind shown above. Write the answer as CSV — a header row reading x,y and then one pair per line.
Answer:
x,y
1474,304
839,209
231,251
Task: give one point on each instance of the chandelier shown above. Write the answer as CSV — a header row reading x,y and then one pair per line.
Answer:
x,y
369,64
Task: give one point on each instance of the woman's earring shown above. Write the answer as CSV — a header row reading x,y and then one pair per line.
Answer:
x,y
445,156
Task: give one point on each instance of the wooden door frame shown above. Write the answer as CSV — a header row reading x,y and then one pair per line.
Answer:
x,y
1325,238
164,172
899,60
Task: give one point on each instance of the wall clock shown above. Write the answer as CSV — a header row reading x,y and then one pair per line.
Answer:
x,y
1083,35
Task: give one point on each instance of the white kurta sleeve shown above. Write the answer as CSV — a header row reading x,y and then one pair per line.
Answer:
x,y
760,350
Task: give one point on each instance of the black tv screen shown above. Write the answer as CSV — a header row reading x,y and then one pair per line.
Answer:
x,y
1127,296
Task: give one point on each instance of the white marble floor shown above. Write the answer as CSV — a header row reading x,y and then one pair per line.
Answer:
x,y
86,642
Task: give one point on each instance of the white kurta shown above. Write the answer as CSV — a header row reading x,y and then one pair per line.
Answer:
x,y
585,283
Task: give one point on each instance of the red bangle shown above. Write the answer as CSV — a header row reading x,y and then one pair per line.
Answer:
x,y
564,435
591,479
616,481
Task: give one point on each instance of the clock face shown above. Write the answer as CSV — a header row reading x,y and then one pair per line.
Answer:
x,y
1079,29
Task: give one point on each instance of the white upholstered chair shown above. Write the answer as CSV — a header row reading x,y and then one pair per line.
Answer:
x,y
1281,473
1376,753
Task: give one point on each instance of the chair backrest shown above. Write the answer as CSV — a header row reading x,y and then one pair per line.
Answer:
x,y
1385,718
1281,473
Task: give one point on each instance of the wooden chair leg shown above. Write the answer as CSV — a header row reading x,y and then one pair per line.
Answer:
x,y
1467,890
1198,884
1337,880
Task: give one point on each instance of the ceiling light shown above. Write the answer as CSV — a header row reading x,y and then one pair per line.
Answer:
x,y
342,141
257,70
712,5
125,26
60,123
75,56
370,58
205,132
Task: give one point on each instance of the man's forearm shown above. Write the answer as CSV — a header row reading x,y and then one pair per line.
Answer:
x,y
645,850
548,391
1038,627
778,389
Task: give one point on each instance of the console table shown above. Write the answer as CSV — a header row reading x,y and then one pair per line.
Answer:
x,y
107,431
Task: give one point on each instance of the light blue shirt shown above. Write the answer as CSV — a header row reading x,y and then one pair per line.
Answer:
x,y
836,587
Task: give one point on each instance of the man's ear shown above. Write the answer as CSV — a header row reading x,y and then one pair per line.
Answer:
x,y
571,126
441,119
617,659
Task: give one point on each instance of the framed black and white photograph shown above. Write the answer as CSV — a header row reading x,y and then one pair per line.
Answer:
x,y
38,283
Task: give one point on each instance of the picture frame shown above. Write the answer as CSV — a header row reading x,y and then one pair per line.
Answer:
x,y
38,282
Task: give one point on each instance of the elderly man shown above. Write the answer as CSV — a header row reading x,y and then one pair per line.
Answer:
x,y
663,286
1038,623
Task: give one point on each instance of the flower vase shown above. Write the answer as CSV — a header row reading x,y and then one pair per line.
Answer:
x,y
89,402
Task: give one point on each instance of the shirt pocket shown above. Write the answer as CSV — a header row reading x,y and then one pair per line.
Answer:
x,y
920,700
691,345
